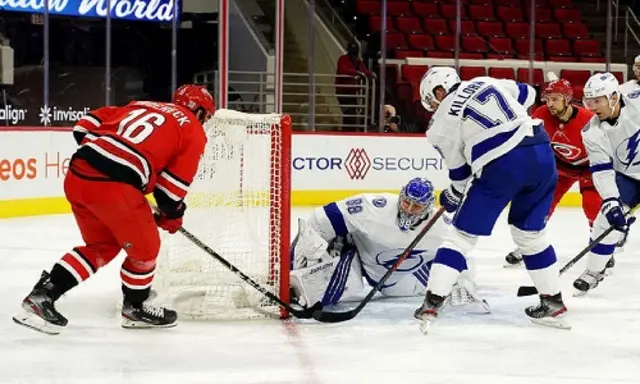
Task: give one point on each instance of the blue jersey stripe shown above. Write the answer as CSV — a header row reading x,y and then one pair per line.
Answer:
x,y
460,173
600,167
491,143
523,93
336,219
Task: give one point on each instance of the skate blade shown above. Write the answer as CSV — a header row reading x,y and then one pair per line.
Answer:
x,y
554,322
608,272
507,265
132,324
426,322
579,293
36,323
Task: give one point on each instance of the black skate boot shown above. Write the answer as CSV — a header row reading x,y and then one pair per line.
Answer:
x,y
587,281
146,315
513,259
428,312
39,311
549,312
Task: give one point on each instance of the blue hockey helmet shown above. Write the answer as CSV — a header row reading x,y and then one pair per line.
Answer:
x,y
417,198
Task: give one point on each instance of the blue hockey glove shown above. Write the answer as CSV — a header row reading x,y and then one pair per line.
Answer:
x,y
450,199
612,210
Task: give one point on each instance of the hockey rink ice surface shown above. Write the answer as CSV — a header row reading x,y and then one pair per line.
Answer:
x,y
381,345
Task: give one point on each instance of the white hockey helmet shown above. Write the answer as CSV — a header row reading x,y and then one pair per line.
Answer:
x,y
601,84
445,77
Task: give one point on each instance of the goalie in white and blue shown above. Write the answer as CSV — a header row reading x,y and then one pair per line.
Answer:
x,y
485,135
612,140
347,243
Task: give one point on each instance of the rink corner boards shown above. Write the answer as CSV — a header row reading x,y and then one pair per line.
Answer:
x,y
59,205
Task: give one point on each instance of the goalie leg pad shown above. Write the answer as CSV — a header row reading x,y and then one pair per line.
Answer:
x,y
328,281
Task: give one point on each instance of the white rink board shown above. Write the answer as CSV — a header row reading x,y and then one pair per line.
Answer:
x,y
33,162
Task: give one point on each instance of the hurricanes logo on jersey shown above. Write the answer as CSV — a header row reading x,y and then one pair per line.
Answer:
x,y
567,151
627,151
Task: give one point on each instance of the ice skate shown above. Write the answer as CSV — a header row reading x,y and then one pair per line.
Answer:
x,y
38,309
608,269
550,312
147,315
513,259
428,312
467,295
587,281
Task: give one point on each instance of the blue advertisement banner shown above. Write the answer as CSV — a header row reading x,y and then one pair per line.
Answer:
x,y
144,10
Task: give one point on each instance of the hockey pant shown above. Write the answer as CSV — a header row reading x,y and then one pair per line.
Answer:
x,y
591,200
111,216
526,177
600,254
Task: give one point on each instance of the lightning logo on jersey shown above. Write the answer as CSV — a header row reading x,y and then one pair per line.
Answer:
x,y
627,151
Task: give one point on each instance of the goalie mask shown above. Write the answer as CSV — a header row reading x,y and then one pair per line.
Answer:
x,y
415,202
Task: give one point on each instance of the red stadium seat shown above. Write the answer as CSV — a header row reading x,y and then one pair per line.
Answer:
x,y
481,12
436,26
586,48
445,43
396,8
471,56
408,24
429,10
375,24
490,28
518,30
509,3
368,7
395,40
413,72
560,47
548,31
522,47
575,31
391,75
474,44
468,73
576,76
543,15
593,59
420,41
564,16
502,45
539,3
565,59
498,56
467,27
578,92
510,14
404,93
440,54
561,4
404,53
538,76
502,73
449,11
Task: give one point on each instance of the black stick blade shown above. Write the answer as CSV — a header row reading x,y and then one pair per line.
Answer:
x,y
334,317
527,291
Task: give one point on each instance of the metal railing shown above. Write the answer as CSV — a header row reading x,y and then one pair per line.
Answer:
x,y
631,22
348,106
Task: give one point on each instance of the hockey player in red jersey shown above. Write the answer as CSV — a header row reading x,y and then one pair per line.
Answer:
x,y
125,153
564,122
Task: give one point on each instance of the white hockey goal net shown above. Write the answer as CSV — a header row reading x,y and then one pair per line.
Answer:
x,y
239,206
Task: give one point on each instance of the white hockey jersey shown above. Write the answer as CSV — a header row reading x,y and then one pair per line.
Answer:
x,y
370,220
480,121
630,86
614,146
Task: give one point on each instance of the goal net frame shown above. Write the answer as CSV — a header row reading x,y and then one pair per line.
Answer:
x,y
243,199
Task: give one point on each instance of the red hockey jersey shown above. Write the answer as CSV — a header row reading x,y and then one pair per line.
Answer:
x,y
153,146
566,138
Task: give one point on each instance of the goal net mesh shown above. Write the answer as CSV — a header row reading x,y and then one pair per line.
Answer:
x,y
238,205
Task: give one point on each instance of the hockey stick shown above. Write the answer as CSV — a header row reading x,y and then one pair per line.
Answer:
x,y
336,317
531,290
301,314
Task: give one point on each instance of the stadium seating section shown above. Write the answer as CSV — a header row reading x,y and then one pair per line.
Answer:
x,y
489,29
